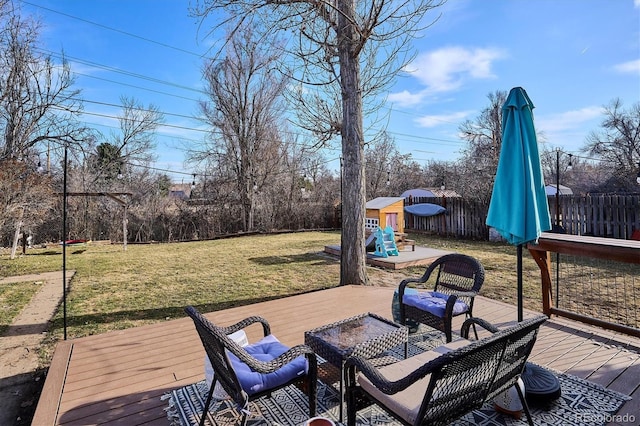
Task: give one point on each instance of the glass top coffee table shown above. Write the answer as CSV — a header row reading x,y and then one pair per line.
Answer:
x,y
365,335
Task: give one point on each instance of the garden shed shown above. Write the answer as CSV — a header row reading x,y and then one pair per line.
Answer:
x,y
385,211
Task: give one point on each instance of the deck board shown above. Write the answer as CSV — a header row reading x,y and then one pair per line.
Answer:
x,y
119,377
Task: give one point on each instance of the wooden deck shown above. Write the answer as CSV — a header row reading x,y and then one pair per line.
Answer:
x,y
418,256
119,377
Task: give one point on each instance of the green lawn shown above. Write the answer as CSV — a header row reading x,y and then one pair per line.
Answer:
x,y
115,289
14,297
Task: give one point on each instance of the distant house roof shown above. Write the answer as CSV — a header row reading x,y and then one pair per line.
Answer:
x,y
429,192
417,192
382,202
180,190
564,190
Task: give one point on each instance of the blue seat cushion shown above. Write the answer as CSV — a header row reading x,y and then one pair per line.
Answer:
x,y
265,350
433,302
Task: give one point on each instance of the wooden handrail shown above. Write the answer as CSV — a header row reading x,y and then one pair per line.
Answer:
x,y
627,251
602,248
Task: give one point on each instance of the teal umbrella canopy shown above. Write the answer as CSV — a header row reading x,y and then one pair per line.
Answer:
x,y
518,209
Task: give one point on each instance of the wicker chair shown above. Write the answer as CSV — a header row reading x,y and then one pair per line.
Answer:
x,y
440,386
242,375
458,280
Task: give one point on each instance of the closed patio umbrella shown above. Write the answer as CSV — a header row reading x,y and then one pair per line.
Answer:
x,y
518,209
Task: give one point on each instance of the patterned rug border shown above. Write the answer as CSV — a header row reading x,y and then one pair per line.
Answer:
x,y
290,407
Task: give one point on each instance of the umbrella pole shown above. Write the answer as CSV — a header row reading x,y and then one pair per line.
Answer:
x,y
519,273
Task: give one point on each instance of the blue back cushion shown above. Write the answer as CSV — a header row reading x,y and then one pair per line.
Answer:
x,y
265,350
433,302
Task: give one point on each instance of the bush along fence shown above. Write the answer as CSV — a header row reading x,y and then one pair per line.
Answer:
x,y
612,216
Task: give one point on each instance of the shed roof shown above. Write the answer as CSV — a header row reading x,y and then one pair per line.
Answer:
x,y
382,202
430,192
564,190
418,192
180,190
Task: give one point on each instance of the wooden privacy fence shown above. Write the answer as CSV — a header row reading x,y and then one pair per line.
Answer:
x,y
461,218
612,216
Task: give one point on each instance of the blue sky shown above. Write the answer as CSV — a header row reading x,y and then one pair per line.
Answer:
x,y
572,57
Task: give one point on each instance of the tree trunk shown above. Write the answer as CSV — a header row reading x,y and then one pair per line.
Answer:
x,y
16,235
247,206
353,253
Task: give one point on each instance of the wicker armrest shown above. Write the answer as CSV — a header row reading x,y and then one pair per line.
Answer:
x,y
464,330
246,323
406,281
405,284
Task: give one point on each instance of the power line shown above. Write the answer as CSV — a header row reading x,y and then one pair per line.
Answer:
x,y
172,114
136,87
173,126
168,46
413,138
119,71
426,138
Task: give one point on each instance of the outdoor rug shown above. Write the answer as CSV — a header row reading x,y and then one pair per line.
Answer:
x,y
581,403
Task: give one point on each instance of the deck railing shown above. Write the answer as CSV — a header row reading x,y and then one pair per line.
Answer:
x,y
595,280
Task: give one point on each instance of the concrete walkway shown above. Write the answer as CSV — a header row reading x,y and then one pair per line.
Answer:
x,y
19,346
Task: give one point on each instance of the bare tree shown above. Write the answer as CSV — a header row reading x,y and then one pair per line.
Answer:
x,y
484,134
134,143
479,161
579,173
337,43
618,143
244,109
382,163
25,198
37,102
588,177
115,156
37,105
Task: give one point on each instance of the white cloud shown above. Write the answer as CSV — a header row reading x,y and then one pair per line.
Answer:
x,y
80,68
405,98
446,70
442,119
569,120
631,67
449,68
636,3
